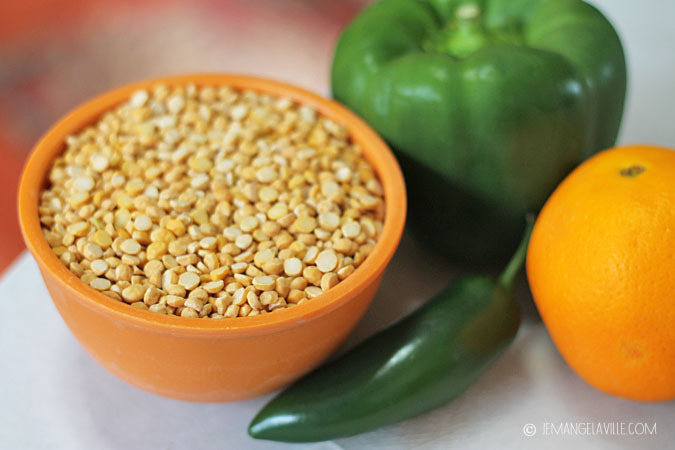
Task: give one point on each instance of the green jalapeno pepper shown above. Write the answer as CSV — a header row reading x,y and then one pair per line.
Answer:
x,y
417,364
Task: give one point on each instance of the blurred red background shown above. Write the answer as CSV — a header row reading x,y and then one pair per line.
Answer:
x,y
56,54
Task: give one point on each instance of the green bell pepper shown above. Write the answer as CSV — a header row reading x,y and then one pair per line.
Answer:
x,y
419,363
487,103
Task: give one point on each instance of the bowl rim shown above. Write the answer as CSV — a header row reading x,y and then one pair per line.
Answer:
x,y
375,151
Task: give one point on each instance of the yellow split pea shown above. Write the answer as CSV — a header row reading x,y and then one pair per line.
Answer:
x,y
212,202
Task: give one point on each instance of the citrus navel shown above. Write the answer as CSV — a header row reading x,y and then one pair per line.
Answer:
x,y
601,267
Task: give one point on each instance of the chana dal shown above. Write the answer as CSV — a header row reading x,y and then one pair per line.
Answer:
x,y
212,202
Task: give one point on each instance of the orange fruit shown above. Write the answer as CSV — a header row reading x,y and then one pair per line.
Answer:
x,y
601,268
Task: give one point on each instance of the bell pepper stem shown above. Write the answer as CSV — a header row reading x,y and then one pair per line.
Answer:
x,y
513,267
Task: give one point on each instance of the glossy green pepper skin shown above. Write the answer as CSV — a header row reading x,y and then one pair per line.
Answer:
x,y
487,103
419,363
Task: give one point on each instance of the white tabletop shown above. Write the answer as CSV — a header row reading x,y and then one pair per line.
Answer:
x,y
54,396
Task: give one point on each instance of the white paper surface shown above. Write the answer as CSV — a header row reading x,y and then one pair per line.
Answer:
x,y
54,396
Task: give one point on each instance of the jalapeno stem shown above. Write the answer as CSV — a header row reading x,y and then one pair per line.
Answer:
x,y
513,267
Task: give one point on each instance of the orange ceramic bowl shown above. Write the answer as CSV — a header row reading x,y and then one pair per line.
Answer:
x,y
203,359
